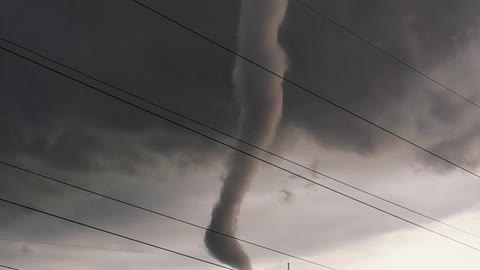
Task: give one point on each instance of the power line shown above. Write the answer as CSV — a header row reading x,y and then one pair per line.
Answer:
x,y
241,151
8,267
130,204
299,86
159,213
74,246
373,45
113,233
241,140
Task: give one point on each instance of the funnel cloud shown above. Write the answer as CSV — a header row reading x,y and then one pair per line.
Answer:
x,y
261,98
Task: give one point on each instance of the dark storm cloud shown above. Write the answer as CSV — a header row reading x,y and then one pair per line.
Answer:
x,y
344,69
58,125
55,120
141,52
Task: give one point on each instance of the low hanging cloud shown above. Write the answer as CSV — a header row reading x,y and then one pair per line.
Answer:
x,y
59,127
358,77
261,100
67,118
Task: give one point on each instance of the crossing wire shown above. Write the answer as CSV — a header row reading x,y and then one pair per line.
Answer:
x,y
112,233
43,176
306,90
240,150
9,267
344,183
73,246
397,59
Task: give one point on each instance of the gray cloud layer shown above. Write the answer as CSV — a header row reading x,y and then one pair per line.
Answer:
x,y
332,63
261,100
56,126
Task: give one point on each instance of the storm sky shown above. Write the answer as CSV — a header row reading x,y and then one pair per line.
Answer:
x,y
60,128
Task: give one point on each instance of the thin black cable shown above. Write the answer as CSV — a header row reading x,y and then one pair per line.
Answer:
x,y
130,204
114,234
74,246
241,151
8,267
418,71
338,106
241,140
159,213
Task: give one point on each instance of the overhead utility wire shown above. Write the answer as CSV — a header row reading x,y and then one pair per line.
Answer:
x,y
241,151
8,267
241,140
384,51
133,205
74,246
299,86
113,233
159,213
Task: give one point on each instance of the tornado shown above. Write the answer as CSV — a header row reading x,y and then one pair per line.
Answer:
x,y
260,96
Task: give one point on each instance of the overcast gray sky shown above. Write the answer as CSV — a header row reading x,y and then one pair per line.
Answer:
x,y
60,128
